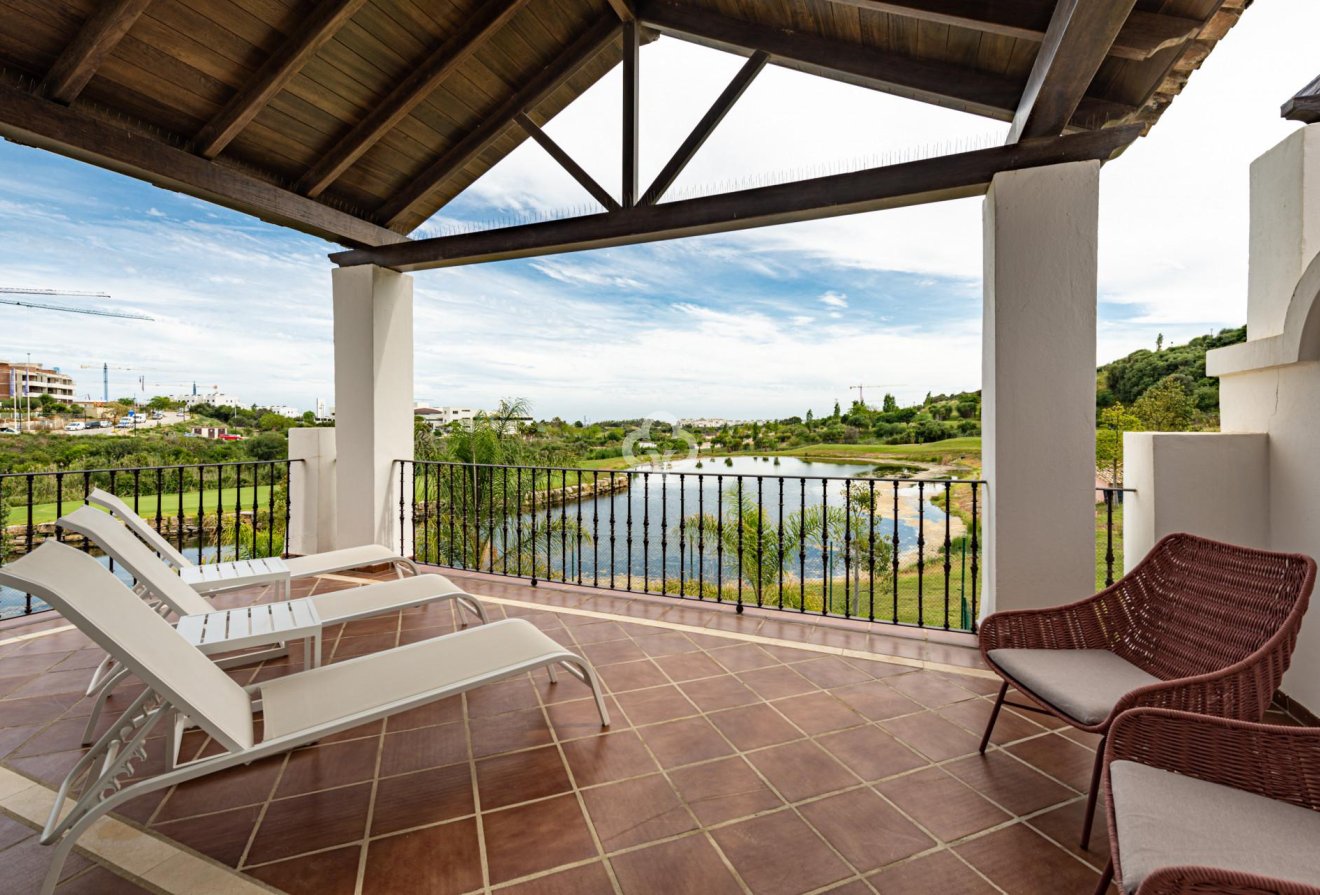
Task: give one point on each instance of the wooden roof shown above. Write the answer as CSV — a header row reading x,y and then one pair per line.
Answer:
x,y
358,119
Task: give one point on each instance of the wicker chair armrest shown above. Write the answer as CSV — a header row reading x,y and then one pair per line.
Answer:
x,y
1273,761
1208,880
1085,624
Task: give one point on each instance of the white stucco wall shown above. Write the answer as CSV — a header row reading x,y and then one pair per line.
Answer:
x,y
1212,484
1285,227
1038,380
312,506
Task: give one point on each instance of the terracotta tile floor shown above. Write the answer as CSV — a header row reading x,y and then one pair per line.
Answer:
x,y
729,767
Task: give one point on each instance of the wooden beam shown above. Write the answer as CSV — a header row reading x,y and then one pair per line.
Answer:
x,y
96,39
1305,106
929,180
624,9
632,46
705,127
960,88
33,121
312,33
1077,41
586,47
1142,36
405,97
598,192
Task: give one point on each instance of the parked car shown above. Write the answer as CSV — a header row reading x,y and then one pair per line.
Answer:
x,y
125,423
158,415
94,424
231,438
8,431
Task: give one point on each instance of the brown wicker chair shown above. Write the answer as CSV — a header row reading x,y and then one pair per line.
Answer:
x,y
1279,763
1198,625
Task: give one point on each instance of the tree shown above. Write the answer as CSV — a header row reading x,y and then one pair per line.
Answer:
x,y
268,446
836,414
811,419
1114,421
1167,405
1159,342
890,404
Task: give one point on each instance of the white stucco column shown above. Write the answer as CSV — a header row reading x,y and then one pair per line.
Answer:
x,y
312,512
373,401
1038,381
1285,227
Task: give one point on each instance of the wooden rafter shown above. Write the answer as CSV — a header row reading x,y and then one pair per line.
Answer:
x,y
1143,34
935,82
405,97
586,47
566,161
96,39
705,127
1077,41
312,33
72,132
929,180
624,9
632,46
1305,106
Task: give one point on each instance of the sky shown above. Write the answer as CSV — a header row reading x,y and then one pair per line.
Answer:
x,y
763,323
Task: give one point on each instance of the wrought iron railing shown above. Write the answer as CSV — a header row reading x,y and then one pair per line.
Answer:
x,y
886,550
1109,533
209,511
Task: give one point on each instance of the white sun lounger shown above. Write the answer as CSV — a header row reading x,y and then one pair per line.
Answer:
x,y
158,584
296,710
226,575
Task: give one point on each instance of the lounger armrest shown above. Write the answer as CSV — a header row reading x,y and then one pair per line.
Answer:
x,y
1207,880
1277,762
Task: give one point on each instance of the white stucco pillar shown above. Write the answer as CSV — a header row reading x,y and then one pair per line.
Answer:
x,y
312,512
1038,381
1285,227
373,402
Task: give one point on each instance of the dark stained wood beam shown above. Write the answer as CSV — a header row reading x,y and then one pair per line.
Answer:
x,y
585,47
75,133
405,97
624,9
632,45
1077,41
929,180
960,88
312,33
705,127
589,183
1143,34
1305,106
96,39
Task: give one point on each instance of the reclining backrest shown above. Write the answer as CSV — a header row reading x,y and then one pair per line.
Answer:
x,y
118,621
139,526
135,556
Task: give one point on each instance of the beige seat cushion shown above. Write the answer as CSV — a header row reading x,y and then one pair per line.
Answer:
x,y
1169,820
1082,683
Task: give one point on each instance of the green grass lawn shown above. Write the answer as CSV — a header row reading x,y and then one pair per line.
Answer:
x,y
49,512
933,452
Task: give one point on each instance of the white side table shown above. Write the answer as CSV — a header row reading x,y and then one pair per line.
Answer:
x,y
266,624
214,577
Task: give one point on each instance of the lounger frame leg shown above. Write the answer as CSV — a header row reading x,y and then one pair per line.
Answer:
x,y
1105,878
583,671
107,685
994,716
1094,794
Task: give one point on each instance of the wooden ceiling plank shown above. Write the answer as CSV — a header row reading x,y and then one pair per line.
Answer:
x,y
566,161
935,179
33,121
705,127
926,80
280,68
587,46
1077,41
1142,36
95,40
405,96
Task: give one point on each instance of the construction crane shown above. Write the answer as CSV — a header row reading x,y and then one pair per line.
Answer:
x,y
105,376
7,291
861,395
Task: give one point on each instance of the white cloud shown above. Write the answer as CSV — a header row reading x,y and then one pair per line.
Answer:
x,y
834,299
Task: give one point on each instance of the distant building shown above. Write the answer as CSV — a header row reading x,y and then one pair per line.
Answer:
x,y
441,417
17,380
325,411
209,431
214,398
286,410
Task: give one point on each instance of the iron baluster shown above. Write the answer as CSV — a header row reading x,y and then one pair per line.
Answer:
x,y
664,533
870,550
402,521
701,538
976,524
682,535
719,538
802,545
612,515
760,542
894,619
779,556
646,532
549,532
518,523
847,548
1109,537
59,504
740,544
178,533
577,535
948,548
921,553
826,564
532,534
87,489
595,527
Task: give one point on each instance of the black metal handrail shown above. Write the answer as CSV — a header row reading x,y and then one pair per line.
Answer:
x,y
216,511
897,551
1113,495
